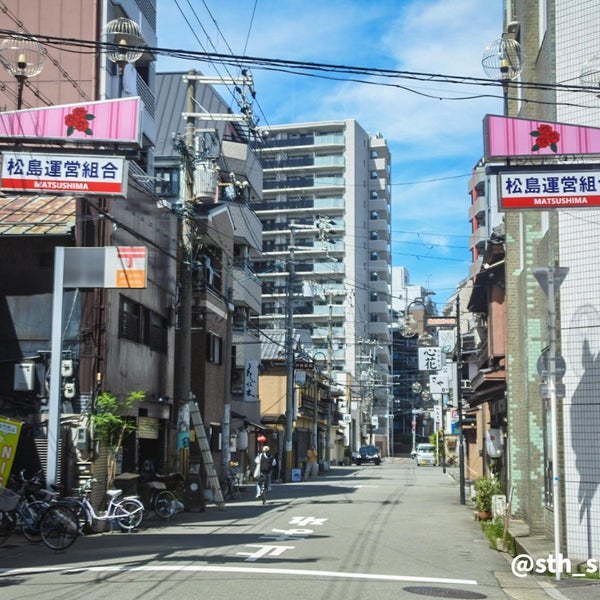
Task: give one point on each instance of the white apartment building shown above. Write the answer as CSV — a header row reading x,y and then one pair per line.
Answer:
x,y
326,208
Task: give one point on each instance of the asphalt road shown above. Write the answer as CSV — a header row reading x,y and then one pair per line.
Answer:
x,y
393,531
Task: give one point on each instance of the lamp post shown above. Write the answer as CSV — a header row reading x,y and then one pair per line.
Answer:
x,y
124,42
503,61
22,57
417,388
316,400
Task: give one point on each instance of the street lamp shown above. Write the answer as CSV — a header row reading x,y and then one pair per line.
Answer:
x,y
316,400
22,57
417,389
503,61
124,44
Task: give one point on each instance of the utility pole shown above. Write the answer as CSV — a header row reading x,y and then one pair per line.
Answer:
x,y
289,360
184,346
461,434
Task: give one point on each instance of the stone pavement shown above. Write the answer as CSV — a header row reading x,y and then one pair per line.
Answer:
x,y
536,587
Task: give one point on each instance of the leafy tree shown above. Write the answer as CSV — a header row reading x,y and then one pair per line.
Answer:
x,y
111,425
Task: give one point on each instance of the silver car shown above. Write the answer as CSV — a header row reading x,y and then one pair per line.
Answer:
x,y
425,455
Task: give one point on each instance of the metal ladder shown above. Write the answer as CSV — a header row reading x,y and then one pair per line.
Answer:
x,y
207,458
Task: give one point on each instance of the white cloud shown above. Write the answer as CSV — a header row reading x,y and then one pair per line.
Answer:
x,y
430,139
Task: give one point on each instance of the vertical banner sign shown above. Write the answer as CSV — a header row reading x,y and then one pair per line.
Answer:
x,y
9,439
430,358
251,381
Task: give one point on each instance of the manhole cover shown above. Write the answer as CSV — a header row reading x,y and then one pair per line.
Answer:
x,y
433,592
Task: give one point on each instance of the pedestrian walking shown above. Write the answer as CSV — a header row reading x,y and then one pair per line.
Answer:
x,y
312,463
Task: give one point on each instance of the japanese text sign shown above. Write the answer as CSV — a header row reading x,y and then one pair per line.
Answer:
x,y
64,173
544,190
430,358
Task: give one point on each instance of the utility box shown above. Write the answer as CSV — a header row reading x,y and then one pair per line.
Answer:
x,y
24,380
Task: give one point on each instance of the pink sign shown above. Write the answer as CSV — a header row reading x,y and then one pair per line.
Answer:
x,y
506,136
104,121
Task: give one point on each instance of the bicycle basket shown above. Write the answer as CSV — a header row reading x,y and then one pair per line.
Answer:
x,y
8,499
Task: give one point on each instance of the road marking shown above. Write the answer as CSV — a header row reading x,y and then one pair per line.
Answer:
x,y
241,570
264,550
303,521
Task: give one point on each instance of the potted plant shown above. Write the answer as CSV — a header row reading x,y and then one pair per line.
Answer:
x,y
485,488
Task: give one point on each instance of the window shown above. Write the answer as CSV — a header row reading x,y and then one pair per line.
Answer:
x,y
374,215
374,235
167,182
374,175
374,195
374,154
374,256
142,325
374,276
374,296
214,348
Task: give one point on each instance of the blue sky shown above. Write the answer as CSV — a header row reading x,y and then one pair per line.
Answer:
x,y
434,130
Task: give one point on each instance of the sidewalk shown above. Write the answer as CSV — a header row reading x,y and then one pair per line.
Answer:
x,y
536,587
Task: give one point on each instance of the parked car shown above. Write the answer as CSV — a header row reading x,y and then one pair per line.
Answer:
x,y
368,454
425,455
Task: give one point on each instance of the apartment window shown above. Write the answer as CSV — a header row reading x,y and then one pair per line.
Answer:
x,y
374,154
374,276
374,255
214,348
130,320
142,325
374,195
374,175
374,215
374,235
374,296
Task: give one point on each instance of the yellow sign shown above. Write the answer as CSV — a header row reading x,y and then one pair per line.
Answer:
x,y
9,439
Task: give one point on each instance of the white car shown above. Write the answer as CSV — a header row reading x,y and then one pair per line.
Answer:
x,y
425,455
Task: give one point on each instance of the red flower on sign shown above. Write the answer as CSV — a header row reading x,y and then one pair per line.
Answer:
x,y
79,120
545,137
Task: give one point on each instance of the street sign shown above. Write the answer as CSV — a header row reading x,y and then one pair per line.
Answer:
x,y
430,358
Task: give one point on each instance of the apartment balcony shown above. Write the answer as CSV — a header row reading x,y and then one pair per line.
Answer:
x,y
380,286
381,205
478,238
379,225
247,288
380,329
379,307
479,207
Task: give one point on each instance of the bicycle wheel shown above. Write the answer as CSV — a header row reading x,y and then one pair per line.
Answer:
x,y
129,513
263,490
78,508
8,523
165,504
59,527
31,529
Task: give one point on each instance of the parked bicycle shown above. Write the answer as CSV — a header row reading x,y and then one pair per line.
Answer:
x,y
127,511
164,494
230,484
53,524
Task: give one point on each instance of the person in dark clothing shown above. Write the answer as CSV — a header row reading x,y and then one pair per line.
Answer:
x,y
265,463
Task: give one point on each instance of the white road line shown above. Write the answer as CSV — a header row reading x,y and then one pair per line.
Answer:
x,y
244,570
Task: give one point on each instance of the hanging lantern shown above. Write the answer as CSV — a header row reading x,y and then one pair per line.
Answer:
x,y
261,438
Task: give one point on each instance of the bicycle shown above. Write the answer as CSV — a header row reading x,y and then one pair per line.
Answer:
x,y
263,488
53,524
128,512
230,484
162,500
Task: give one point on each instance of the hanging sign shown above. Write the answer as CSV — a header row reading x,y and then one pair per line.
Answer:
x,y
64,173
